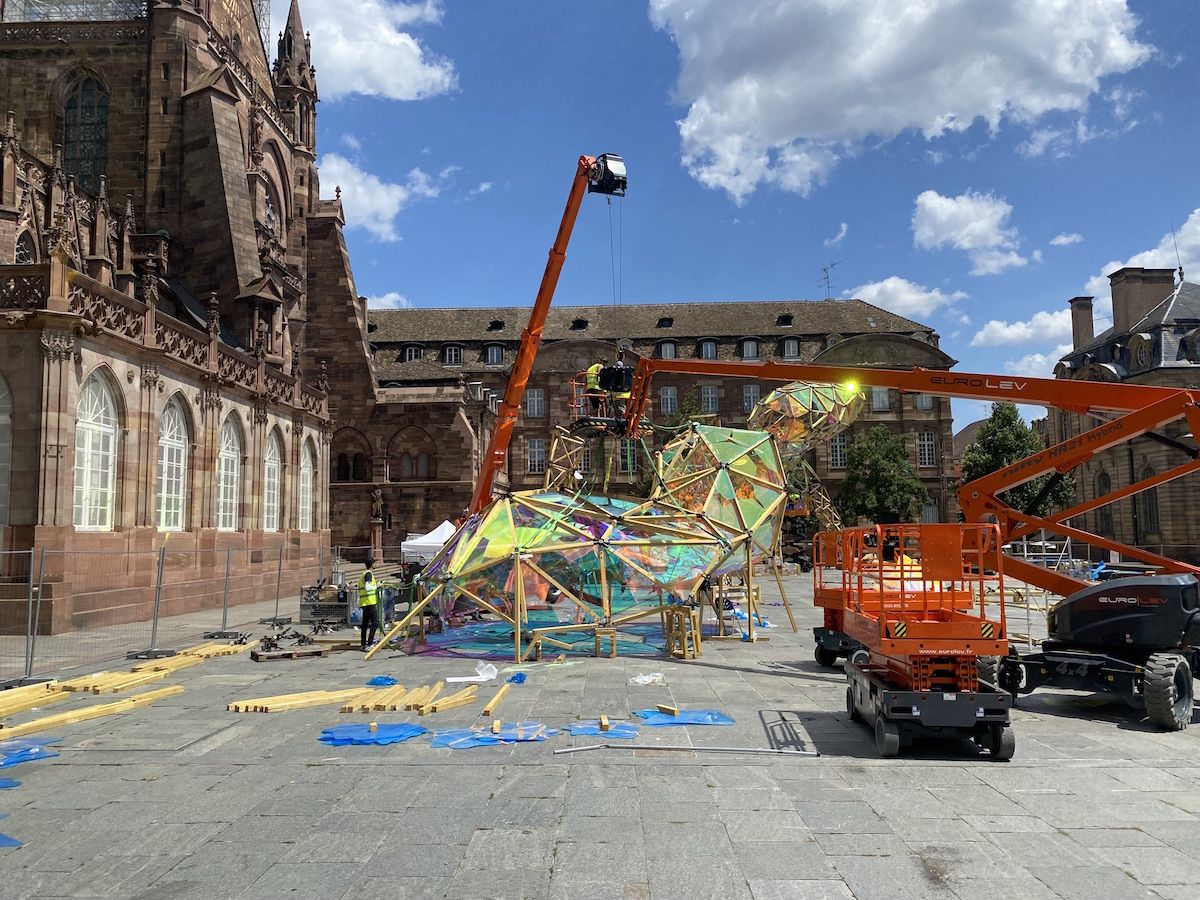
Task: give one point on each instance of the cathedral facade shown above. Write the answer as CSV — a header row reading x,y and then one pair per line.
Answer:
x,y
162,247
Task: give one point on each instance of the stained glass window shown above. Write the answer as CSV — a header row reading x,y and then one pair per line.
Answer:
x,y
26,254
85,132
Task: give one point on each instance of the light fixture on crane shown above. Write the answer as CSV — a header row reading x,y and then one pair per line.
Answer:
x,y
607,176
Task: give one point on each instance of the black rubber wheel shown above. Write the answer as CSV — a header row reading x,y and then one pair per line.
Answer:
x,y
887,737
1167,688
1002,743
824,656
860,657
855,715
987,669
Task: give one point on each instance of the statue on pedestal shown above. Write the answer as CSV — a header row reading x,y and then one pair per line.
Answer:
x,y
376,504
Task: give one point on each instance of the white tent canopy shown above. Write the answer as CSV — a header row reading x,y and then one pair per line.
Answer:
x,y
423,547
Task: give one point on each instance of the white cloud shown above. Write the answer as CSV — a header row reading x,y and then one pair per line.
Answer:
x,y
837,239
351,140
370,202
1066,240
904,297
1042,328
767,108
972,222
1037,365
1161,256
370,49
390,300
482,188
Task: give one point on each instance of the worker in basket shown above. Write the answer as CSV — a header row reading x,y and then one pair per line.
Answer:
x,y
621,395
591,385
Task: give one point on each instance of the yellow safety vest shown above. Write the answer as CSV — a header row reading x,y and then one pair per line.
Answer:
x,y
368,590
592,382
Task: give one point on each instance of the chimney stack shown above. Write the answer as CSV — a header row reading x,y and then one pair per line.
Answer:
x,y
1082,328
1136,291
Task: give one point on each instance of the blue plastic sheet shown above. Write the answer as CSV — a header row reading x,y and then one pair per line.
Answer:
x,y
7,783
512,733
623,731
382,681
685,717
22,750
519,678
5,841
395,733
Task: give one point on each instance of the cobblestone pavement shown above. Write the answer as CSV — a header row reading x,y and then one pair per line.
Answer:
x,y
184,799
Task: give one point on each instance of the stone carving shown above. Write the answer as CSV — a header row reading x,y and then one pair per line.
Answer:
x,y
150,375
279,387
377,504
309,401
106,312
259,416
178,344
235,370
210,392
24,291
214,315
72,32
323,378
57,344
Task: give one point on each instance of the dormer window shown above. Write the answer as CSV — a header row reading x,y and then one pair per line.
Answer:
x,y
784,321
668,350
412,353
665,322
708,349
496,325
493,355
579,324
750,349
452,355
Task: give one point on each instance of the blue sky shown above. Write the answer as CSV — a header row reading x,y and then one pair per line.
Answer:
x,y
969,165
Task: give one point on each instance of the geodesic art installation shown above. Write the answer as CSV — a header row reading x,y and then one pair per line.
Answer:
x,y
801,415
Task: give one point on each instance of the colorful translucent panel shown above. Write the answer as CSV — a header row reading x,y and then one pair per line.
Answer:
x,y
801,415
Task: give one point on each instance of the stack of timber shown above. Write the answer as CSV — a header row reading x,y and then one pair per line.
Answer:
x,y
303,700
218,648
424,699
32,696
61,720
111,682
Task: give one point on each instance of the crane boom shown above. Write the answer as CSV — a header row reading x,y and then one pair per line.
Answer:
x,y
605,175
1125,411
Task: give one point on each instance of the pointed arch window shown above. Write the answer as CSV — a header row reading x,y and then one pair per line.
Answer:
x,y
308,468
26,254
343,467
95,456
272,475
229,475
171,484
84,132
270,216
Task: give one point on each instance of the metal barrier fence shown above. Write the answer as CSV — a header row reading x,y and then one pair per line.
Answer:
x,y
60,609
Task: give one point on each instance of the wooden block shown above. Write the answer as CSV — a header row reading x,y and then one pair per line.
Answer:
x,y
496,698
374,726
604,723
447,703
495,726
669,710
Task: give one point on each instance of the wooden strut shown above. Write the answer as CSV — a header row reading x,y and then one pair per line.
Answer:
x,y
403,623
302,700
782,593
96,711
496,698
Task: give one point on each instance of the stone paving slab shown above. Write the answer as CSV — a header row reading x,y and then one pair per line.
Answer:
x,y
185,799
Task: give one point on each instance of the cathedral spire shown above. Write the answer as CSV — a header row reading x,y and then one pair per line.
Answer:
x,y
295,78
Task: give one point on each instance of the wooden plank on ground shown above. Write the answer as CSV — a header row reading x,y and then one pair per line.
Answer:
x,y
26,702
95,711
496,698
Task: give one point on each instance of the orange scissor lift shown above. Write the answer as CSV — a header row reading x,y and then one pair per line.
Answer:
x,y
914,599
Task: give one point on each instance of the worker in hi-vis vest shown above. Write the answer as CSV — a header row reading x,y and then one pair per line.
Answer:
x,y
368,602
591,385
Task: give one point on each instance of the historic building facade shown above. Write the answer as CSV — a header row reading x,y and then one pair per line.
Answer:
x,y
1154,339
442,354
162,247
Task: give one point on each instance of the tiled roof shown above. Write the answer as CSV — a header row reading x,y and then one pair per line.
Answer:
x,y
1181,306
417,371
756,318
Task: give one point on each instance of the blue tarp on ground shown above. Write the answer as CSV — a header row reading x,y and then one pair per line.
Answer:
x,y
512,733
7,783
5,841
395,733
685,717
22,750
624,731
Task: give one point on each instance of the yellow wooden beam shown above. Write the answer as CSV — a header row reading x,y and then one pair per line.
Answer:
x,y
496,698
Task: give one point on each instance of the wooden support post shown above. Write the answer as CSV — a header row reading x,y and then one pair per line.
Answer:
x,y
518,605
496,698
403,623
782,593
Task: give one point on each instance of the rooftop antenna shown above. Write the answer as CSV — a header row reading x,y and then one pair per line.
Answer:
x,y
827,278
1177,259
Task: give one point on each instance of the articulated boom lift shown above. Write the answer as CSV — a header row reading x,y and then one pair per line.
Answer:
x,y
1135,637
604,174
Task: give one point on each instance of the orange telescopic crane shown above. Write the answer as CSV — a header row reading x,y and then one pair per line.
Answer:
x,y
604,174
